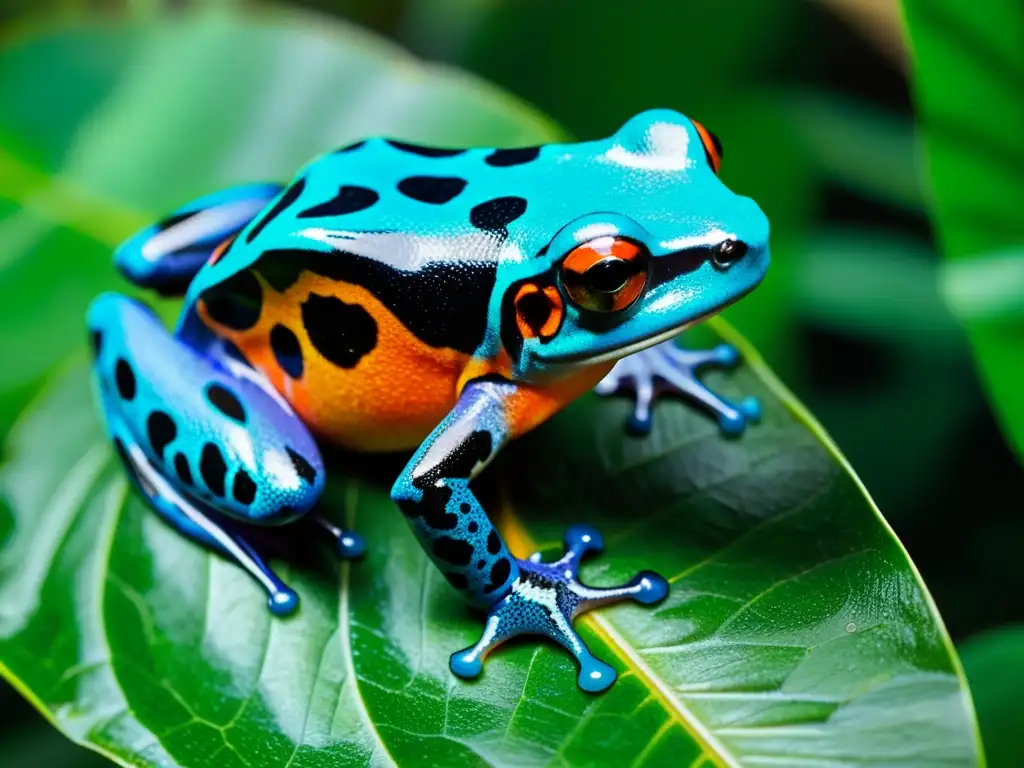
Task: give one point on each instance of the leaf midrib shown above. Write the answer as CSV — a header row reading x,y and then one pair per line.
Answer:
x,y
345,622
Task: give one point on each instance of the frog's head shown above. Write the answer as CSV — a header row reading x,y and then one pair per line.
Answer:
x,y
662,245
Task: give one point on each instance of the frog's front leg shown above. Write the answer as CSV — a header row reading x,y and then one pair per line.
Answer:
x,y
669,368
520,596
204,438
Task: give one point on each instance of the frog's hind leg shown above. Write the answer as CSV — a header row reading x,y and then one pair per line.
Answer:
x,y
185,515
167,255
670,369
208,442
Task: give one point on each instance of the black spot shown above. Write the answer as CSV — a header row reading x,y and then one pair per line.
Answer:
x,y
432,189
212,468
480,564
499,573
502,158
464,508
181,467
531,309
349,147
459,462
236,302
457,580
243,489
160,430
342,333
290,196
495,215
493,542
125,379
281,274
304,469
348,200
455,551
473,527
534,309
432,507
96,339
287,351
424,151
224,401
421,299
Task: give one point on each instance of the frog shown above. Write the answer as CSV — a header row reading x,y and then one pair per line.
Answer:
x,y
435,300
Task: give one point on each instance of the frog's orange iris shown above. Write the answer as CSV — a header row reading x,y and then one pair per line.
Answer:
x,y
606,274
712,146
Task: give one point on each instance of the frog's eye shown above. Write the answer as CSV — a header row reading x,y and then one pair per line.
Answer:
x,y
606,274
712,146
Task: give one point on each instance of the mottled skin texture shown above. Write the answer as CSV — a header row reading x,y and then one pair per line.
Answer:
x,y
394,297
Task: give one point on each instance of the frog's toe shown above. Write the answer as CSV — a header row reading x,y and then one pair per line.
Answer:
x,y
283,602
667,368
595,676
545,600
348,544
725,355
351,546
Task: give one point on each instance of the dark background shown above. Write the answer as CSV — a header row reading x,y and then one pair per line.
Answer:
x,y
812,102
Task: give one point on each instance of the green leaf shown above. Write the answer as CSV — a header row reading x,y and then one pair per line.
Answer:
x,y
994,663
797,630
969,90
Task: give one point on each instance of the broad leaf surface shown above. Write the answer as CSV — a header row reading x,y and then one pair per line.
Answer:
x,y
964,59
797,631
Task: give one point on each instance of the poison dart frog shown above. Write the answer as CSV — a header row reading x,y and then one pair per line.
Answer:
x,y
396,296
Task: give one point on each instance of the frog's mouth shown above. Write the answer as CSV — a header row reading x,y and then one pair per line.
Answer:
x,y
619,352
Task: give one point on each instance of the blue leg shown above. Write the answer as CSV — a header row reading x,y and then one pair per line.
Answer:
x,y
520,596
668,368
168,254
207,439
187,518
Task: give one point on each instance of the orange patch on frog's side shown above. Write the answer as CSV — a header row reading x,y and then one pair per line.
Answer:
x,y
533,404
391,399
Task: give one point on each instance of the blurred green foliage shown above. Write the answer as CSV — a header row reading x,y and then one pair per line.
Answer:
x,y
994,660
962,60
818,127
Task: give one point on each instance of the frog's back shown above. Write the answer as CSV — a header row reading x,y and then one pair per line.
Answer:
x,y
364,292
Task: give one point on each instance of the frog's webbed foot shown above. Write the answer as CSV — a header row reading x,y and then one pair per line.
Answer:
x,y
669,368
546,598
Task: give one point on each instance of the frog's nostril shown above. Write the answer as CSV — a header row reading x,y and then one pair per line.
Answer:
x,y
727,252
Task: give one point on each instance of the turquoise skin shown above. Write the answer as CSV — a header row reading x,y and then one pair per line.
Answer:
x,y
450,242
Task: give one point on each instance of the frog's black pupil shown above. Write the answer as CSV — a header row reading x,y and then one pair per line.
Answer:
x,y
608,276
